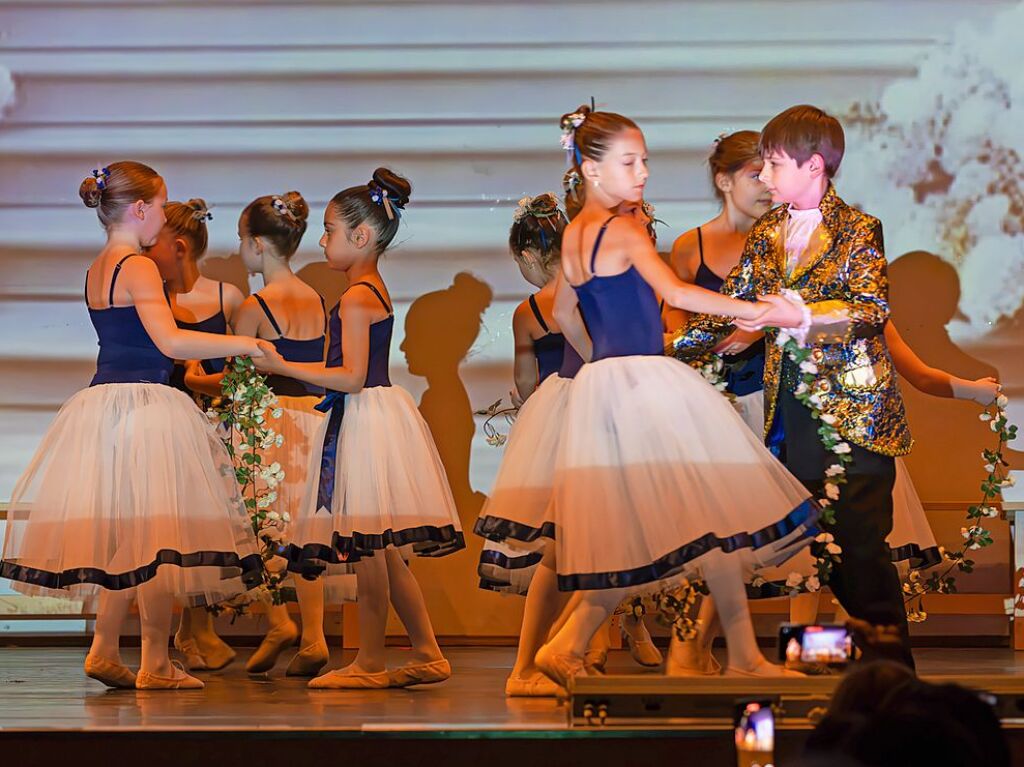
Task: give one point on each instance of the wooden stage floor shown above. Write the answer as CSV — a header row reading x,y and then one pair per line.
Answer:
x,y
47,704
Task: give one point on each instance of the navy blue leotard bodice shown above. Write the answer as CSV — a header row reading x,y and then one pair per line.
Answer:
x,y
294,350
127,353
620,310
380,343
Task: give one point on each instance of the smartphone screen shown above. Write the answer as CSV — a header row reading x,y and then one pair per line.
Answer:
x,y
814,644
755,734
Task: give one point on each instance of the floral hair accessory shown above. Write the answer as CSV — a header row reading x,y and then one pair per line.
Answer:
x,y
282,209
380,196
568,141
200,212
572,182
543,206
101,175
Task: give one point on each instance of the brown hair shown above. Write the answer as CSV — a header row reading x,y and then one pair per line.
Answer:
x,y
804,131
590,139
731,153
539,228
112,189
188,220
371,202
281,219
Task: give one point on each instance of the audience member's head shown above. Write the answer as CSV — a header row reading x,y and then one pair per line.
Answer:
x,y
882,716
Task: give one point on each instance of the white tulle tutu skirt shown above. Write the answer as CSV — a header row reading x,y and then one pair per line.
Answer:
x,y
655,470
389,488
130,484
911,541
516,519
518,509
751,410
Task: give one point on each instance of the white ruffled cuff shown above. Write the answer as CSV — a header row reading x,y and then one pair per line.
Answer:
x,y
801,331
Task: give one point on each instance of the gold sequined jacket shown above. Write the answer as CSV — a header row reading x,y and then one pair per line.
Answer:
x,y
842,278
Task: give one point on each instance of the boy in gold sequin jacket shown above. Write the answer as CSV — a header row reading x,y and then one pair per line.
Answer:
x,y
844,285
833,256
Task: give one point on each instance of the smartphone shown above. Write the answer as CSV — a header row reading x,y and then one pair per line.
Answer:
x,y
827,644
755,733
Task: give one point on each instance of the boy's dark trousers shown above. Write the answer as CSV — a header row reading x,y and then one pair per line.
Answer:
x,y
865,582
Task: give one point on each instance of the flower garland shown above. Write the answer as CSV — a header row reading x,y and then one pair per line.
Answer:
x,y
241,412
827,553
975,535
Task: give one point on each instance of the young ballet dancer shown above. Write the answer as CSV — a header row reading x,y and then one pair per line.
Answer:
x,y
535,241
291,316
131,495
545,366
652,480
832,256
377,490
204,305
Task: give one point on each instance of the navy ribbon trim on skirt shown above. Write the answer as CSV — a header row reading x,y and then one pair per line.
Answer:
x,y
250,570
425,540
498,529
333,403
803,516
919,559
494,567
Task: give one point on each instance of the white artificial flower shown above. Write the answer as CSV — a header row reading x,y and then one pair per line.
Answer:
x,y
989,468
986,416
824,538
279,440
832,491
273,515
801,388
828,418
842,448
1008,481
793,580
276,412
834,470
807,366
286,516
812,583
1002,401
815,400
834,549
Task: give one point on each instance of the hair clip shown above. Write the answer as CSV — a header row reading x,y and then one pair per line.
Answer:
x,y
101,175
282,209
381,197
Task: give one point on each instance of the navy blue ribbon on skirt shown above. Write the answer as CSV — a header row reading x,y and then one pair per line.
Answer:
x,y
333,403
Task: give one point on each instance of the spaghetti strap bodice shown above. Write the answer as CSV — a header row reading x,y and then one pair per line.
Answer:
x,y
704,277
549,349
217,323
620,311
380,342
127,353
294,350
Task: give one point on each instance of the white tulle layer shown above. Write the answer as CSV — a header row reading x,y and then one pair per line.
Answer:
x,y
390,487
129,484
654,469
518,509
